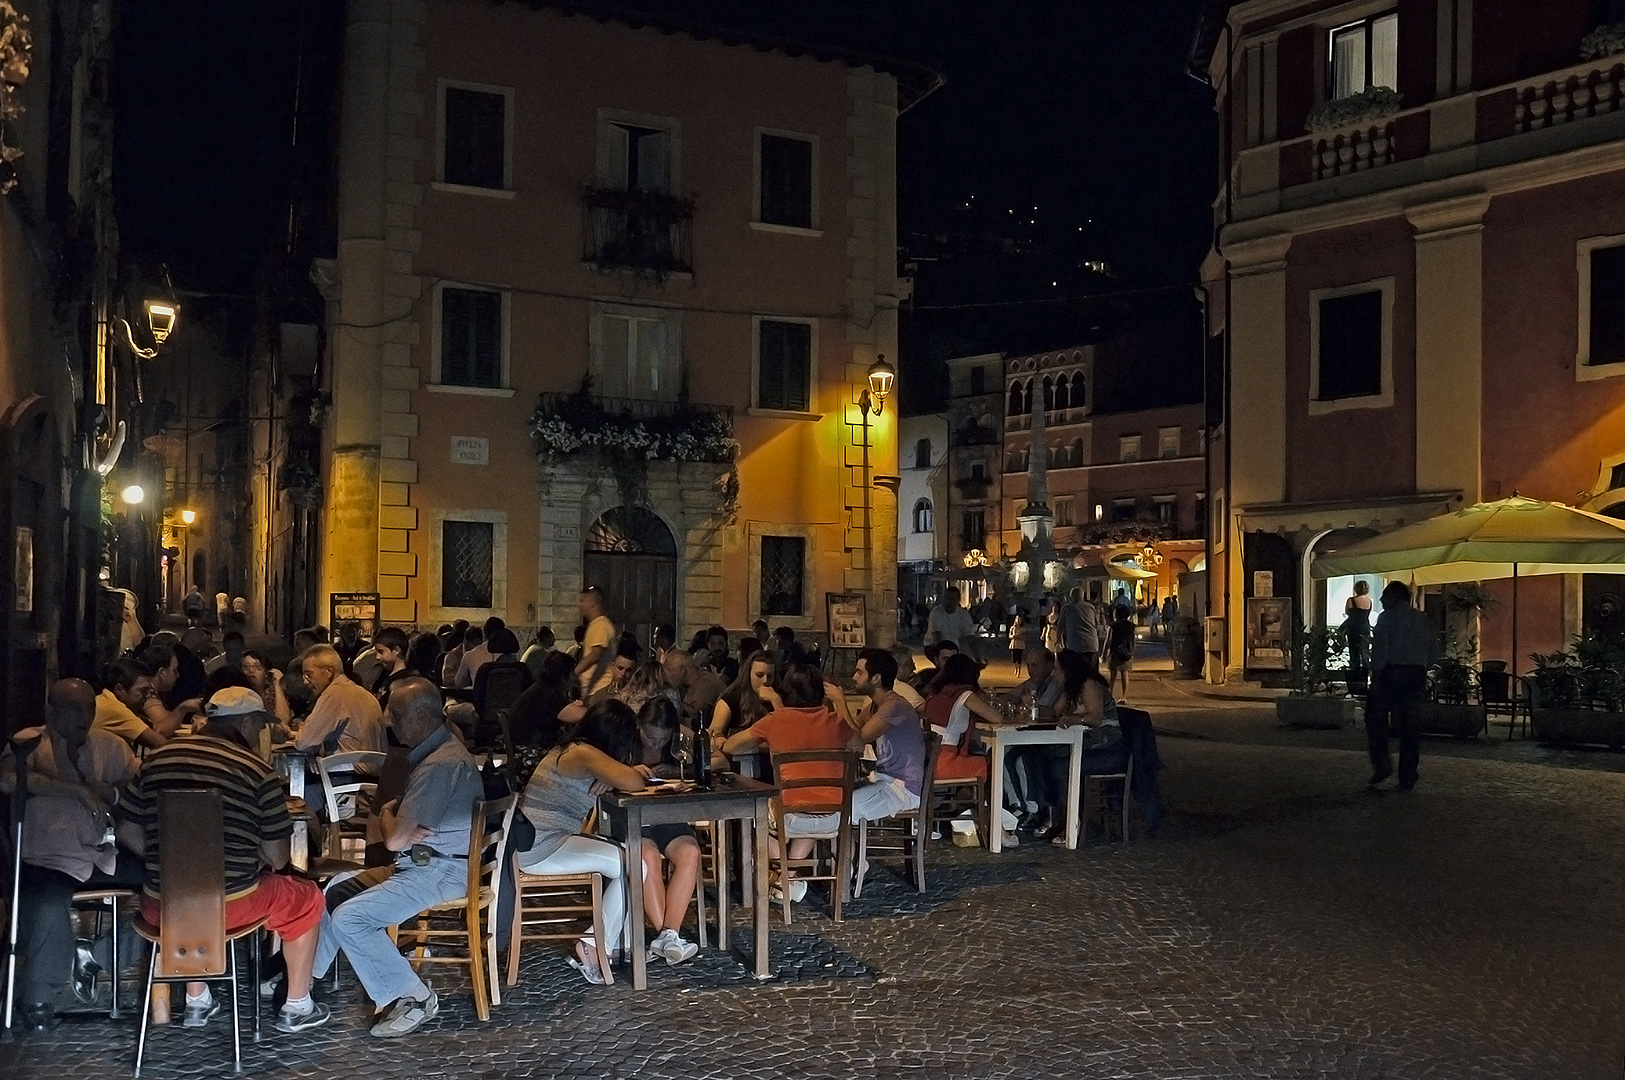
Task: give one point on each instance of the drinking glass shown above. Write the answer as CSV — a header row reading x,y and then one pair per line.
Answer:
x,y
683,751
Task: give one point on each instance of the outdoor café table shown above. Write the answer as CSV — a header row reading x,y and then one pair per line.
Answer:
x,y
730,798
292,764
1000,739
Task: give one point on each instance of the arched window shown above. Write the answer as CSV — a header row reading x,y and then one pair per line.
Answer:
x,y
922,455
1077,452
1060,392
1079,396
1049,395
922,516
1015,408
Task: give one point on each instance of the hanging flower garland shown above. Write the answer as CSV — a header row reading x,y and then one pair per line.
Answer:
x,y
16,54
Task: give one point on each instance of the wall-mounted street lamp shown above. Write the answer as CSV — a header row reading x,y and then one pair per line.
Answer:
x,y
188,516
132,495
161,320
873,398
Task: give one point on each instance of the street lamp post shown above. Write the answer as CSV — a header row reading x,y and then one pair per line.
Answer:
x,y
872,399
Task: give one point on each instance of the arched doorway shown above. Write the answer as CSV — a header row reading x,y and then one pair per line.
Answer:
x,y
631,556
31,521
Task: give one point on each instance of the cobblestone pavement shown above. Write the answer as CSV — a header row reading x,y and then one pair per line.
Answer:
x,y
1286,924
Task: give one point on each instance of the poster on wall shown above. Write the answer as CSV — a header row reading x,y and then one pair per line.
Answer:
x,y
356,607
848,620
1269,632
1264,583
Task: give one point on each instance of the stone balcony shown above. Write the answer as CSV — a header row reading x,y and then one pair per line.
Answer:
x,y
1550,114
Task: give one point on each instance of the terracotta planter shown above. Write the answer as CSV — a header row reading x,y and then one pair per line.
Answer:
x,y
1460,721
1327,713
1580,726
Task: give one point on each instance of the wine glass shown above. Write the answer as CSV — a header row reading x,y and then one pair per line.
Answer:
x,y
683,751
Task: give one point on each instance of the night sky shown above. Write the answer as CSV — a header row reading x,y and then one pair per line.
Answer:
x,y
1078,108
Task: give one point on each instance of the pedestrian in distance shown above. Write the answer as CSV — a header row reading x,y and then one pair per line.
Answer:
x,y
1403,648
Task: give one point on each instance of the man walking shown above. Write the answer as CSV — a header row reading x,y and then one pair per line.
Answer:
x,y
1080,628
949,622
597,646
428,830
1403,649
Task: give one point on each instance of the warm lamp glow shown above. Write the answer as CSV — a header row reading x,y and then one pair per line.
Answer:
x,y
881,375
132,494
188,516
161,318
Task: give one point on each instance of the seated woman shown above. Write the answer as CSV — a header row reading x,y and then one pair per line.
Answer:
x,y
266,681
595,756
666,903
646,681
953,700
747,700
1087,699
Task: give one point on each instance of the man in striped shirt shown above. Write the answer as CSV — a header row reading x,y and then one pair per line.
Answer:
x,y
257,833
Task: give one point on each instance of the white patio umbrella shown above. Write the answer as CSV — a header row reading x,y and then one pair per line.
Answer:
x,y
1509,538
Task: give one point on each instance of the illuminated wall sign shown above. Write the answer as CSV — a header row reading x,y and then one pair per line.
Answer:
x,y
470,451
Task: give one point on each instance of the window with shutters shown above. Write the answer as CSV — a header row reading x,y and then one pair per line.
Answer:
x,y
922,454
973,530
785,188
472,330
784,568
1351,347
475,132
1168,442
468,555
784,354
1128,448
1602,307
922,516
636,353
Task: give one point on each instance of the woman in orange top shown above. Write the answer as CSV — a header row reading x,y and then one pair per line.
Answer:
x,y
952,706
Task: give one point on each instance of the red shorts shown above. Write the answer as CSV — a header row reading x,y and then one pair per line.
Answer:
x,y
290,906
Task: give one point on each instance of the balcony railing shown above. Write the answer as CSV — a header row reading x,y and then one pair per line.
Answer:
x,y
568,424
633,408
646,231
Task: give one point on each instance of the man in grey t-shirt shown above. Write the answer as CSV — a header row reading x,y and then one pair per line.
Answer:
x,y
428,828
1080,628
950,622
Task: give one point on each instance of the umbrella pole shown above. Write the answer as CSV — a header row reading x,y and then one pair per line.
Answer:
x,y
1515,685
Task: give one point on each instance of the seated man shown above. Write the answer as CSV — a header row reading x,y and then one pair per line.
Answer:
x,y
346,716
700,688
428,829
1045,688
257,832
937,654
161,711
894,728
75,771
804,723
124,691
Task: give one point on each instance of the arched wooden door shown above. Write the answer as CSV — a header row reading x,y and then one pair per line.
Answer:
x,y
631,556
31,520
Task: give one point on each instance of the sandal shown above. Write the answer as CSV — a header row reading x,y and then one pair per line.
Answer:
x,y
586,961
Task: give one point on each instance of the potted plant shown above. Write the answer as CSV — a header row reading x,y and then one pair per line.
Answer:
x,y
1452,686
1578,695
1316,701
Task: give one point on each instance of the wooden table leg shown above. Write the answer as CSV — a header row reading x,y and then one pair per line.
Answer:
x,y
1074,785
759,908
634,897
995,797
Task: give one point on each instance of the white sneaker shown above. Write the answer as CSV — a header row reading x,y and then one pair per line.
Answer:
x,y
671,947
798,892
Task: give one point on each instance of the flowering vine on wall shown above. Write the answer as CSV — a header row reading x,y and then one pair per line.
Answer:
x,y
16,54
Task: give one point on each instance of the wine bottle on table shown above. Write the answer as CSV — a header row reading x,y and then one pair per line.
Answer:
x,y
702,755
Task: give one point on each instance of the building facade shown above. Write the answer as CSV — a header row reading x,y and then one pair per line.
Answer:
x,y
1417,289
975,464
922,505
594,319
1117,480
69,378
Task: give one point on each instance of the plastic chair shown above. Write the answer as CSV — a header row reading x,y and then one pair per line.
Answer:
x,y
346,791
471,917
191,942
841,834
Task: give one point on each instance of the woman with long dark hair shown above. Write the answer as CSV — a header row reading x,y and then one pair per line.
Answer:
x,y
595,756
952,706
666,903
747,700
1086,699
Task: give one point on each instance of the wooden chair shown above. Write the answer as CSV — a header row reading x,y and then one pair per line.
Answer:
x,y
950,798
902,837
1097,790
469,920
191,942
347,795
846,761
549,907
113,898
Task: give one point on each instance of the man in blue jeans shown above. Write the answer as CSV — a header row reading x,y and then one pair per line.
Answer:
x,y
1403,648
428,829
